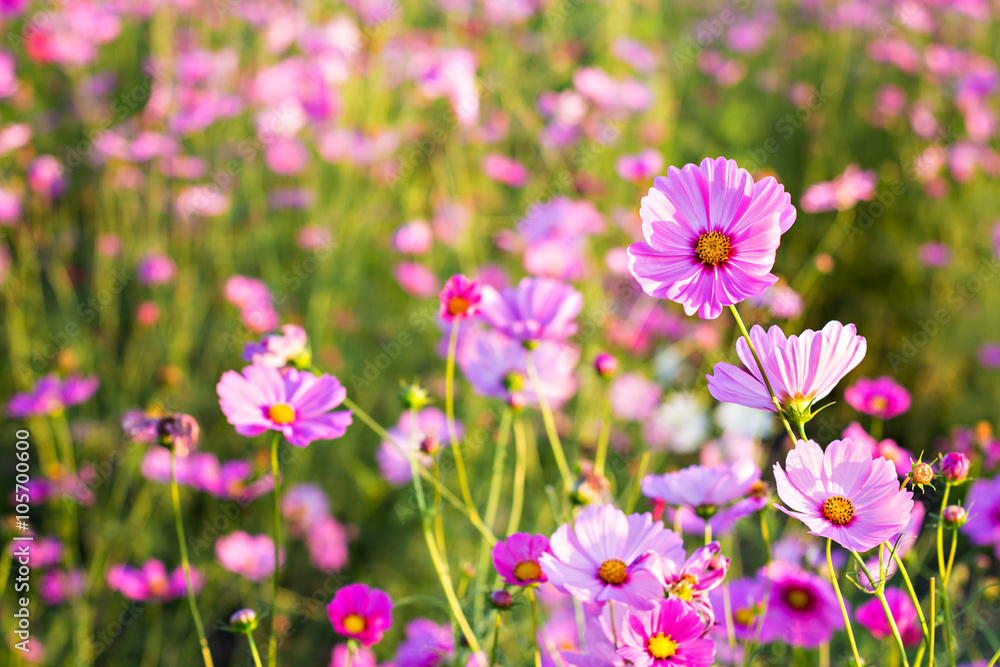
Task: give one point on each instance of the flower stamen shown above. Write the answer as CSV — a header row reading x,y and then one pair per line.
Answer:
x,y
713,248
838,510
280,413
613,572
661,646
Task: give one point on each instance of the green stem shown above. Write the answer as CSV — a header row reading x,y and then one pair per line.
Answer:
x,y
880,594
534,626
492,505
951,556
930,650
840,600
449,405
993,660
767,383
802,430
550,424
633,496
186,564
254,652
272,642
876,428
520,469
928,639
496,642
708,532
943,571
602,441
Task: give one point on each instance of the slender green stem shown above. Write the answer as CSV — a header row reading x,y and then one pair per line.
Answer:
x,y
840,600
534,626
440,565
272,642
880,594
602,440
550,424
614,628
445,493
492,505
876,428
767,383
254,652
951,556
496,642
727,610
993,660
930,650
438,510
185,563
520,470
449,406
802,430
928,639
708,532
943,571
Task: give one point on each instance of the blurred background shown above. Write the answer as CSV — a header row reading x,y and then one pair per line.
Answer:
x,y
351,156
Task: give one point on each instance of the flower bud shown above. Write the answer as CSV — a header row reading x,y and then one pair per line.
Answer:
x,y
922,473
955,467
954,515
605,365
501,599
244,621
414,397
516,401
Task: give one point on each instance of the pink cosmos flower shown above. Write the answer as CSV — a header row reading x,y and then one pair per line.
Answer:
x,y
516,559
361,613
843,493
451,73
801,369
640,167
232,480
505,170
177,431
58,586
691,581
253,298
46,176
362,657
872,616
983,526
669,635
416,279
250,556
10,207
295,403
606,555
429,435
802,607
52,395
497,366
842,193
746,598
460,298
881,397
711,236
327,544
151,583
886,448
413,238
537,309
934,254
427,644
302,506
279,350
634,397
719,495
156,269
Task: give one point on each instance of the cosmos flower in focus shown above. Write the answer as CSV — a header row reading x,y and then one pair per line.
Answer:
x,y
606,555
295,403
361,613
711,235
537,309
669,635
516,559
801,369
843,493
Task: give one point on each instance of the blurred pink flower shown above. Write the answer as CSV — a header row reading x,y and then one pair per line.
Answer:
x,y
633,397
842,193
156,269
640,167
151,583
881,397
286,156
934,254
416,279
413,238
46,176
505,170
250,556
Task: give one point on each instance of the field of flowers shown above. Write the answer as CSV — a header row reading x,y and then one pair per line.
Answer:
x,y
433,334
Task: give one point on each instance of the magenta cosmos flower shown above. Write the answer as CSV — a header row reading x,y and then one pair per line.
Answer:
x,y
711,236
427,644
669,635
295,403
516,559
881,397
537,309
802,607
605,555
425,439
460,298
250,556
361,613
691,581
801,369
843,493
872,616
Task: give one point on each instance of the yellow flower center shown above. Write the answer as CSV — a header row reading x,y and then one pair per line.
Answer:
x,y
713,248
838,510
457,305
281,413
684,589
798,598
661,646
613,572
879,403
527,571
744,617
354,624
